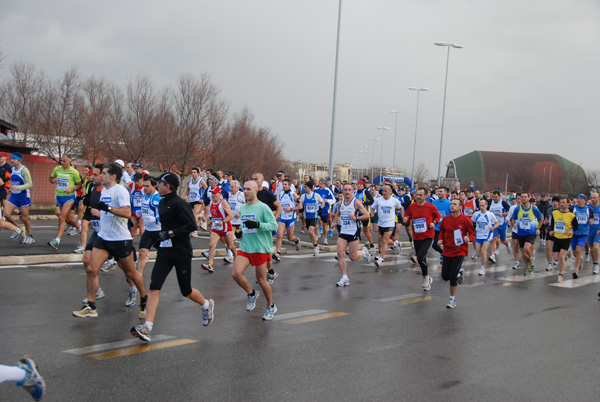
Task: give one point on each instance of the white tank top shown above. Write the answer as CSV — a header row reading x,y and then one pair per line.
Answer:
x,y
348,226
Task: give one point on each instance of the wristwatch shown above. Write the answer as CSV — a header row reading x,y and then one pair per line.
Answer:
x,y
109,208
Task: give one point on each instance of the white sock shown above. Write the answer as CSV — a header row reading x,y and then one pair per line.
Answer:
x,y
451,297
205,305
57,240
149,325
12,374
132,288
344,276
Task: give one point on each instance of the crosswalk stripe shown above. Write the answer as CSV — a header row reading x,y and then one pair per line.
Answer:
x,y
318,317
531,276
112,345
298,314
396,298
140,349
415,300
575,283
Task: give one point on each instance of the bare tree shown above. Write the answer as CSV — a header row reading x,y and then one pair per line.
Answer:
x,y
97,98
593,180
421,173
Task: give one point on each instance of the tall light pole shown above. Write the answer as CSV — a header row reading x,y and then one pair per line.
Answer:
x,y
337,52
373,157
395,135
412,174
448,45
381,157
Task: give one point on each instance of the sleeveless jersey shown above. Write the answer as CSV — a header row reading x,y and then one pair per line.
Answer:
x,y
17,179
347,225
311,205
287,201
483,224
137,196
195,190
217,213
235,203
469,207
562,223
497,208
583,219
150,212
526,219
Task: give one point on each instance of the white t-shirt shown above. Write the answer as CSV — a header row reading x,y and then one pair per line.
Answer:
x,y
509,216
235,203
112,227
483,224
386,211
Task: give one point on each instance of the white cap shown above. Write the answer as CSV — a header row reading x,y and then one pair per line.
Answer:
x,y
265,184
120,162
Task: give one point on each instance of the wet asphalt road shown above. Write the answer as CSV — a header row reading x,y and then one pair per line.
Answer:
x,y
381,338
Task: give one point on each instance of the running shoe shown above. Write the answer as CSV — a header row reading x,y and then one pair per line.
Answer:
x,y
367,255
532,262
575,275
251,303
315,250
587,257
269,312
325,240
29,240
474,255
228,259
109,265
209,313
397,247
302,230
497,252
132,298
86,311
208,267
560,278
492,258
16,234
596,269
142,332
321,230
426,282
203,226
451,303
460,277
194,233
33,381
509,249
413,259
330,233
99,295
378,263
22,236
53,244
271,277
481,271
342,282
205,254
529,270
550,268
276,257
517,265
72,231
142,312
298,245
80,249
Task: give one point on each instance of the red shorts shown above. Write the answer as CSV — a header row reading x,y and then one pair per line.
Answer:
x,y
256,259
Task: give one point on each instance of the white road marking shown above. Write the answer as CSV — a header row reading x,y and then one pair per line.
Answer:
x,y
575,283
13,266
401,297
113,345
298,314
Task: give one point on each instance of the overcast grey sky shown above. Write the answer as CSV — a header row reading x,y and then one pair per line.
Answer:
x,y
527,79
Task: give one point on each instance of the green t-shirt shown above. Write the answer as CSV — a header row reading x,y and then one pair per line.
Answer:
x,y
257,240
67,179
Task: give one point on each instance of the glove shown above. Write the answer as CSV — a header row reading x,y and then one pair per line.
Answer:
x,y
165,235
238,233
250,224
102,206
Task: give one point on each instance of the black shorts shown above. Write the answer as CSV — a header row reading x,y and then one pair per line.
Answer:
x,y
311,222
120,249
350,238
166,259
550,238
514,236
193,204
385,230
560,244
87,214
324,218
92,236
526,239
366,223
301,211
148,239
76,204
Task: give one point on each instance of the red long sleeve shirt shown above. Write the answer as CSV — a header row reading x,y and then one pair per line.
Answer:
x,y
447,234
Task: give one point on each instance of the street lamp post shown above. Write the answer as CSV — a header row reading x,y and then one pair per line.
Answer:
x,y
412,174
448,45
395,136
373,156
381,157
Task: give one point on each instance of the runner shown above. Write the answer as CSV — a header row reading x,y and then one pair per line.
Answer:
x,y
151,217
545,208
364,195
456,232
594,234
25,374
85,223
526,218
67,181
175,250
327,196
256,247
585,217
300,191
562,225
5,172
236,200
267,197
350,211
423,216
551,256
136,191
221,216
114,237
386,207
500,209
514,236
485,224
195,194
287,219
311,202
442,204
20,187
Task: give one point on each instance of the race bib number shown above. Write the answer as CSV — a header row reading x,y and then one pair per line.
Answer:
x,y
217,224
458,238
137,201
420,225
348,226
63,184
96,225
194,197
166,243
524,224
146,211
482,230
560,227
311,208
596,220
582,219
244,228
469,211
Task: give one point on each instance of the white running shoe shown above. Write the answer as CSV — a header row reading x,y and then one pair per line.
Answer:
x,y
315,250
228,259
426,282
596,269
474,255
492,258
517,265
587,258
481,271
367,256
451,303
80,249
378,263
342,282
397,247
509,249
497,252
